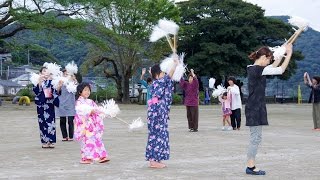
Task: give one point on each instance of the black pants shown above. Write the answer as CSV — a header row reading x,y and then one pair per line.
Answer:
x,y
193,117
63,127
236,118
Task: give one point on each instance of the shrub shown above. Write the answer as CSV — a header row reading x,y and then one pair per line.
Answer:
x,y
176,99
103,94
26,92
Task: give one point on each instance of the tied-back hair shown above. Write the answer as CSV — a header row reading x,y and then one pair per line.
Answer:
x,y
260,52
155,71
81,87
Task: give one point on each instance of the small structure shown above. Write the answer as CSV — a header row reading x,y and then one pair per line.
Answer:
x,y
9,87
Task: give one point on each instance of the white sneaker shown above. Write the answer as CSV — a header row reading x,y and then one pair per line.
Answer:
x,y
229,128
223,128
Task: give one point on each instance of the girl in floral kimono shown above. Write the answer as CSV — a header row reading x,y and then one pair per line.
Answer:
x,y
158,116
89,127
46,98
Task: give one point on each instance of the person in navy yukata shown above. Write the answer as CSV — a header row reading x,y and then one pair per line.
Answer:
x,y
46,98
255,109
161,90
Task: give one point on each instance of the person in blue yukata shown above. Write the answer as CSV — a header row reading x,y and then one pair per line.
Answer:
x,y
158,148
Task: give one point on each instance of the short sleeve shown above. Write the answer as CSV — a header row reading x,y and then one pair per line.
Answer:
x,y
270,70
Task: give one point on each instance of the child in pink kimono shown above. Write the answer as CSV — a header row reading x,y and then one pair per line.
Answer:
x,y
89,127
226,110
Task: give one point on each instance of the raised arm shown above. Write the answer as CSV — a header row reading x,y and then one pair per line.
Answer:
x,y
287,59
306,79
176,61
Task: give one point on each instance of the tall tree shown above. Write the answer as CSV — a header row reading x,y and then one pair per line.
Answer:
x,y
37,14
125,26
219,35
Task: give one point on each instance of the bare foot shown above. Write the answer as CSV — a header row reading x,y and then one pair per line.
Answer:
x,y
157,165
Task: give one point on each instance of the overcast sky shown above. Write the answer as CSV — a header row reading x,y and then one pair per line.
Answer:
x,y
307,9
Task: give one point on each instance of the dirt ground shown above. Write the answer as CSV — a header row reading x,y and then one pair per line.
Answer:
x,y
289,149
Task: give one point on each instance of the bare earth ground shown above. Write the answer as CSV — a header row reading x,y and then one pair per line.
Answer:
x,y
289,150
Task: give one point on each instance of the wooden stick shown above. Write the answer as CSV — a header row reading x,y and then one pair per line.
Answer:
x,y
175,37
170,43
294,37
122,120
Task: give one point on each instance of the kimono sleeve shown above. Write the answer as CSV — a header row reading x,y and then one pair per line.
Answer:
x,y
40,97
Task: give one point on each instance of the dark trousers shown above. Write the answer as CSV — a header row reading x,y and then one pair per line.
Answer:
x,y
63,126
193,117
236,118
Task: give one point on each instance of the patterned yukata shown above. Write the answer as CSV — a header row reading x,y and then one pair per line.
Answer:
x,y
46,98
158,116
88,131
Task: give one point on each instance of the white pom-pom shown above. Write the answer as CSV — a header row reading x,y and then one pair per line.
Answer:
x,y
53,69
217,92
168,26
157,34
72,68
136,124
278,52
57,79
34,78
211,82
110,108
180,69
71,87
167,64
83,109
298,21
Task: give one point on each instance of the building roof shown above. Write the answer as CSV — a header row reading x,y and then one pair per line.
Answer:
x,y
8,83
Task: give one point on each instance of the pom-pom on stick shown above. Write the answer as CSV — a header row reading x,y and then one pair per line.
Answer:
x,y
167,64
34,78
301,23
71,87
168,26
180,69
211,83
84,109
72,68
110,108
157,34
278,52
217,92
136,124
53,68
298,21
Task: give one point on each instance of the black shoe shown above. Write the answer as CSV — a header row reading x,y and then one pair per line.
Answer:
x,y
190,130
194,130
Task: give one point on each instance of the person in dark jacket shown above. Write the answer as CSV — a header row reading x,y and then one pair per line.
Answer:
x,y
314,84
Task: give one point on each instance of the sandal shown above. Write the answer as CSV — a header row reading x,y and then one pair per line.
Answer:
x,y
103,160
253,172
88,161
51,145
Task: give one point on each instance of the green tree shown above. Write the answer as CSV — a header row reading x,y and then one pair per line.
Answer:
x,y
36,14
218,35
123,28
